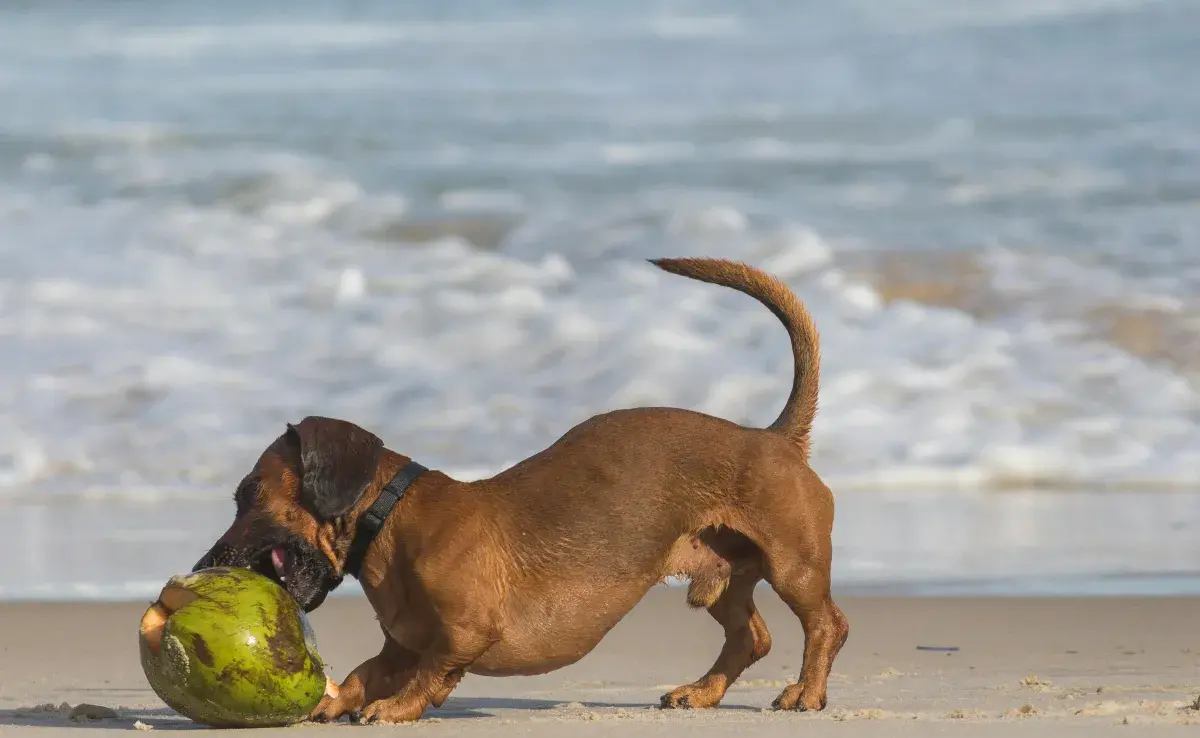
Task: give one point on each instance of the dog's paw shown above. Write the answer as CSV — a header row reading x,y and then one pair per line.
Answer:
x,y
673,701
795,697
402,709
691,696
337,703
327,711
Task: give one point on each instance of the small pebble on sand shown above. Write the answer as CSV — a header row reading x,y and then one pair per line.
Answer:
x,y
84,712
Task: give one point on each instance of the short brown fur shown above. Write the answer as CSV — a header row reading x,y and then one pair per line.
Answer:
x,y
526,571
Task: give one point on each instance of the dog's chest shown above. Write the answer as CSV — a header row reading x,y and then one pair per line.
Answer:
x,y
406,624
411,633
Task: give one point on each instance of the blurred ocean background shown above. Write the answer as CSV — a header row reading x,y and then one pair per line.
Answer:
x,y
430,218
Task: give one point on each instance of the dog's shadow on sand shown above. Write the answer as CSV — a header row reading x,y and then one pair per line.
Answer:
x,y
455,708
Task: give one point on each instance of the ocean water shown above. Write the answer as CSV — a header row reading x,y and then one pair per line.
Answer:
x,y
431,219
889,542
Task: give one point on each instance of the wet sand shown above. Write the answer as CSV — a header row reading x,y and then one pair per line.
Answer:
x,y
1042,666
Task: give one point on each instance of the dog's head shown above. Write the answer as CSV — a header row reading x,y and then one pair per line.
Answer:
x,y
294,510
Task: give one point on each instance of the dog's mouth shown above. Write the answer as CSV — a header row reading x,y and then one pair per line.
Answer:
x,y
275,563
300,570
291,563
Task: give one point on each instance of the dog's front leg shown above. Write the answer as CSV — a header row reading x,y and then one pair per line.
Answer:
x,y
435,676
377,677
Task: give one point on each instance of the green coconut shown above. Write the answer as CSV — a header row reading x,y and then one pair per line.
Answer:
x,y
228,647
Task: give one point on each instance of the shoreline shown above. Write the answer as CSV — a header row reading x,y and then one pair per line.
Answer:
x,y
1053,665
1136,544
1149,586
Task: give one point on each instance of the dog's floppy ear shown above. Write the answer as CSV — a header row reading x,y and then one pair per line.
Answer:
x,y
338,461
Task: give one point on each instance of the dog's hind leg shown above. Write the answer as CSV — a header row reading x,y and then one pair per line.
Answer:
x,y
801,579
746,641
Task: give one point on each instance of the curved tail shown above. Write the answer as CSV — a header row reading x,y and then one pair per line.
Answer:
x,y
796,420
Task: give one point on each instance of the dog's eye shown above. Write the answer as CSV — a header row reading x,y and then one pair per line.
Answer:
x,y
245,495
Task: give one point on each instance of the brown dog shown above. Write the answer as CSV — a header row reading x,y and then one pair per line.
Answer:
x,y
525,572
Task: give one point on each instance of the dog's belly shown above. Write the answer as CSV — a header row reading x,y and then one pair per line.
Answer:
x,y
523,659
558,623
554,622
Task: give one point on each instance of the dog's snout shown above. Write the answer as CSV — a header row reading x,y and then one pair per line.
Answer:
x,y
208,560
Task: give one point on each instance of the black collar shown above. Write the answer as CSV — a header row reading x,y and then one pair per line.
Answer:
x,y
371,521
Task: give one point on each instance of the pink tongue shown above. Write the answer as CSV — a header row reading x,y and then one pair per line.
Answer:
x,y
279,561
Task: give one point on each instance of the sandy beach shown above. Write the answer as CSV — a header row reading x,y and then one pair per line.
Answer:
x,y
1040,666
